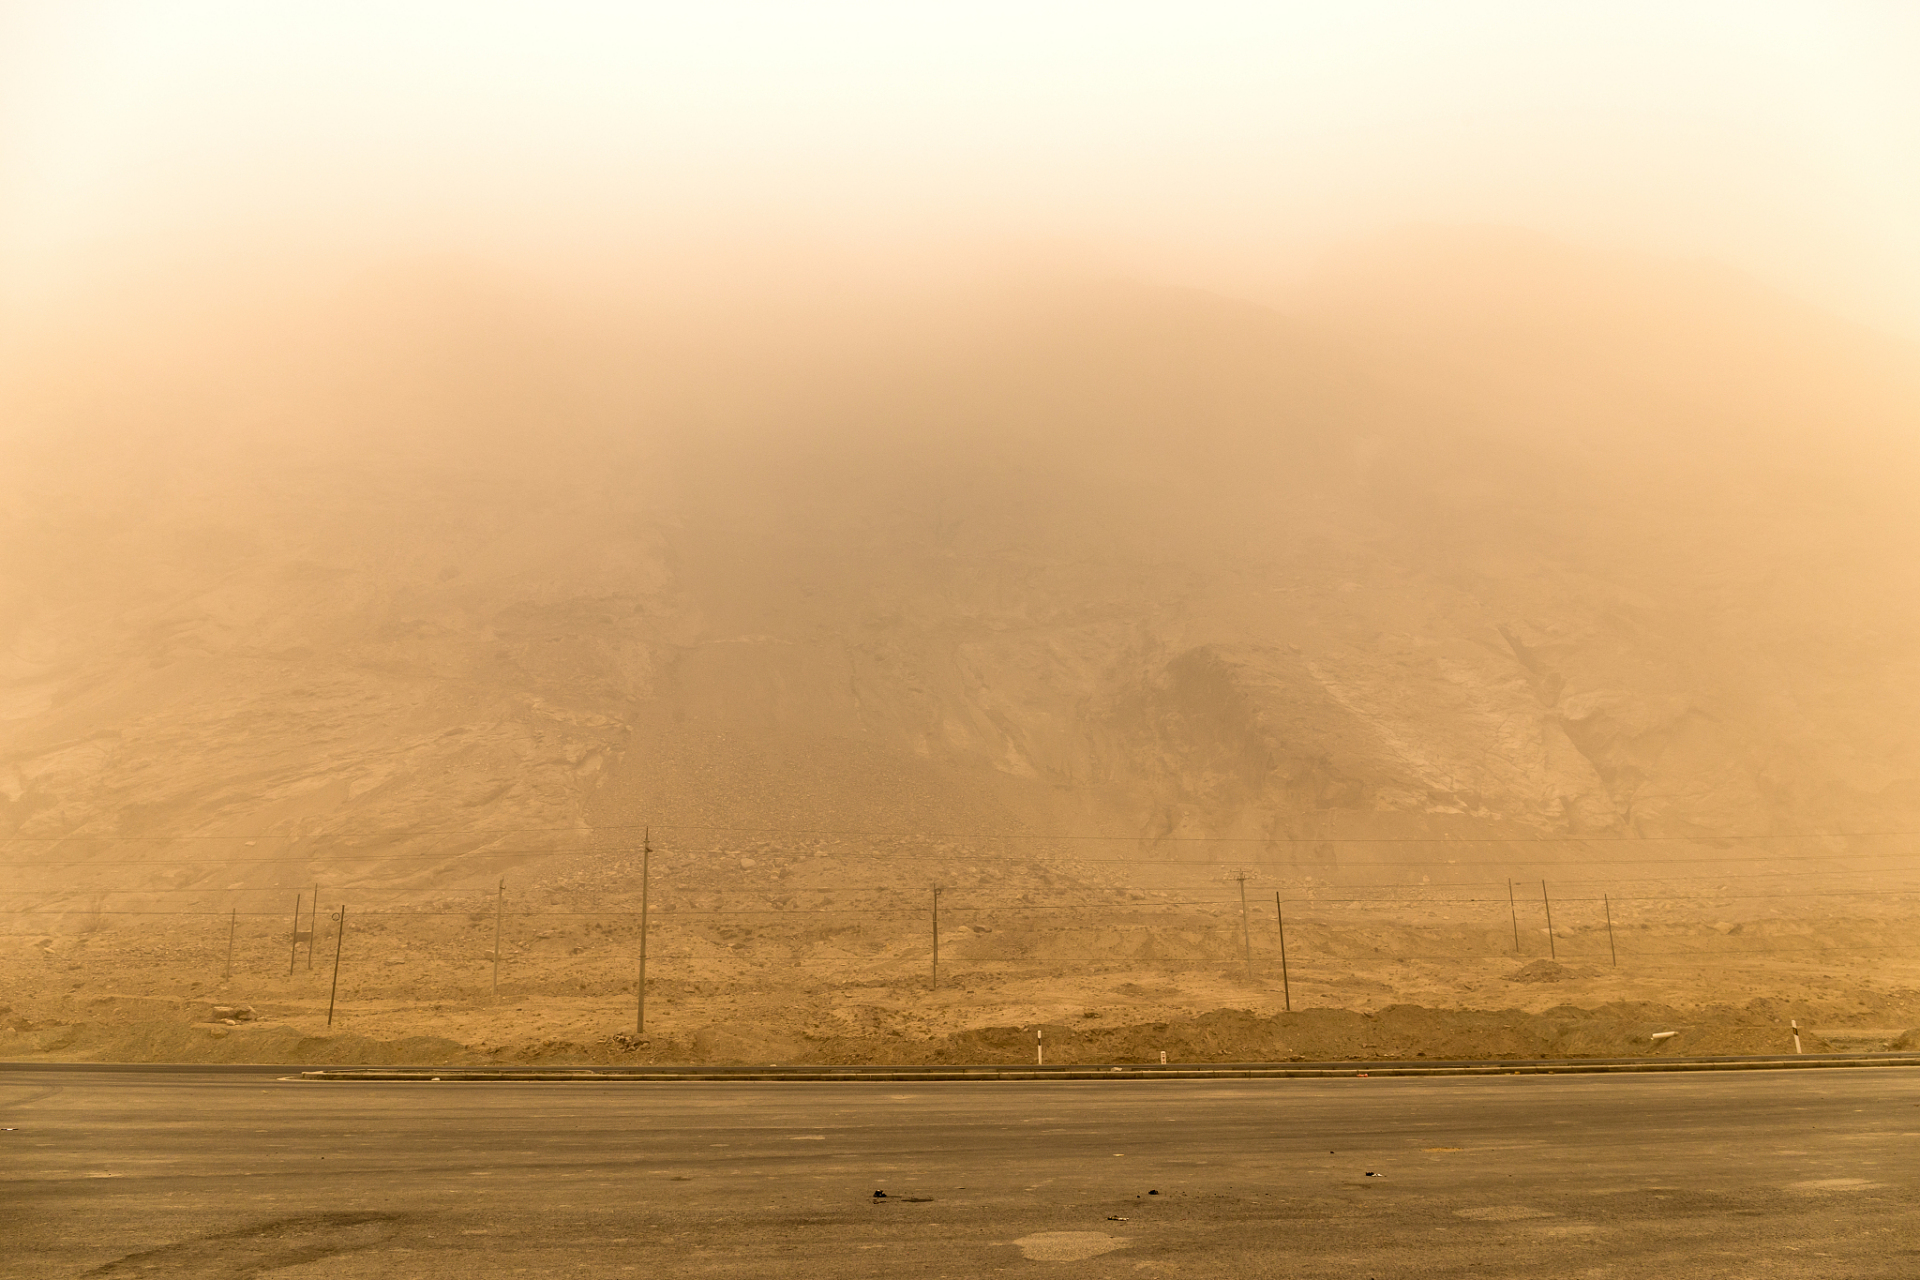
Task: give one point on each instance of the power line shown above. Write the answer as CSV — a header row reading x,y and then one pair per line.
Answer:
x,y
675,912
949,858
78,890
1003,837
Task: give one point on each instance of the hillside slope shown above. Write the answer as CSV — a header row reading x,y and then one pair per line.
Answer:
x,y
1606,549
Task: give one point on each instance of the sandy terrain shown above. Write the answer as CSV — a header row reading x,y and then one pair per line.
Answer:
x,y
1498,559
843,975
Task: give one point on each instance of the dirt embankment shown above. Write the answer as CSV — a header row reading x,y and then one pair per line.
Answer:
x,y
158,1031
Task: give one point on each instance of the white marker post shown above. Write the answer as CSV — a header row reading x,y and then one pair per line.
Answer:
x,y
1039,1049
1795,1024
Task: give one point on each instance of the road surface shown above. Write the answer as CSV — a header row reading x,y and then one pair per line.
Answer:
x,y
1801,1174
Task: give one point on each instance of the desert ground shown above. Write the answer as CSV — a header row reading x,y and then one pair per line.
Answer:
x,y
803,968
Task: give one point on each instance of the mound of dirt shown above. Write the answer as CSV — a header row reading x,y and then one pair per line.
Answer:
x,y
1548,971
155,1041
1401,1032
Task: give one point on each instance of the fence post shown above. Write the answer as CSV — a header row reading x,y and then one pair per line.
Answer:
x,y
1552,952
1286,989
339,937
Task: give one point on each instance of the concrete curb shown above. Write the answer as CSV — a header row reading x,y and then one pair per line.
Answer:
x,y
1239,1071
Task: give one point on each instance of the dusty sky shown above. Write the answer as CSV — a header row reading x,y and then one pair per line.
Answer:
x,y
1224,144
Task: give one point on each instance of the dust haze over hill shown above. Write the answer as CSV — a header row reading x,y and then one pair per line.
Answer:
x,y
1492,537
1490,551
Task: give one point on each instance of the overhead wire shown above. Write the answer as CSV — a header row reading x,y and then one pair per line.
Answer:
x,y
1003,837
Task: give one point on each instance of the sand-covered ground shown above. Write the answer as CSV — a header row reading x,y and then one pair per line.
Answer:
x,y
1492,558
804,973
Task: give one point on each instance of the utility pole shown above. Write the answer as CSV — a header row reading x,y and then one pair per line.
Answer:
x,y
1613,950
936,938
640,986
339,937
499,911
1552,954
233,923
1286,988
313,926
1514,913
1246,931
293,952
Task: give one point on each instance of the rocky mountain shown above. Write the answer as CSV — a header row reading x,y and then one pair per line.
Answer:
x,y
1487,537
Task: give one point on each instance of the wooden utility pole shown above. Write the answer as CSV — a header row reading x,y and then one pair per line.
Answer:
x,y
1613,950
640,1002
338,937
1552,953
293,951
313,926
499,912
936,937
1246,930
1286,988
1513,912
233,923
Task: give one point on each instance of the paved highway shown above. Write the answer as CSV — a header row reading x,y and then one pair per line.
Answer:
x,y
1749,1174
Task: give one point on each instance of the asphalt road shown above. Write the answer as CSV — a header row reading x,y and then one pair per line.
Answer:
x,y
1801,1174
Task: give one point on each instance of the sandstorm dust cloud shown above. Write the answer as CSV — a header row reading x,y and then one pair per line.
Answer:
x,y
1065,456
1081,409
1227,149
